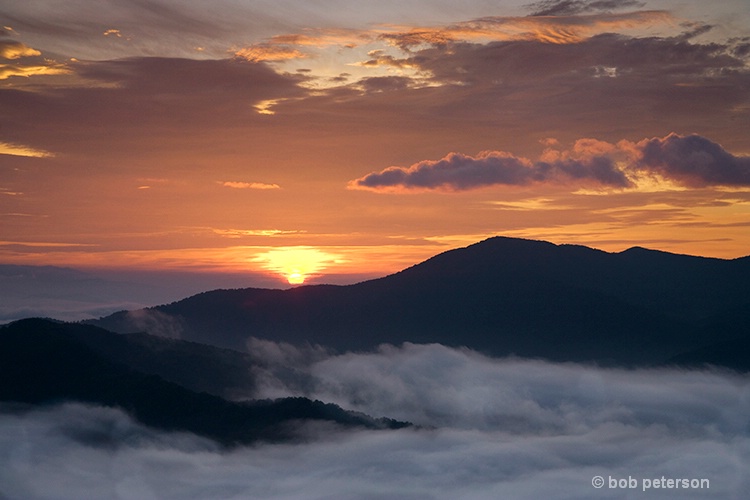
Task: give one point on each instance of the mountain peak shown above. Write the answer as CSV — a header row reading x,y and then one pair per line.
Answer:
x,y
501,296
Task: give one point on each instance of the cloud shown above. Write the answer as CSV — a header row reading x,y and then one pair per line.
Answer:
x,y
177,76
286,47
20,150
268,52
692,161
238,233
15,50
458,172
531,87
25,71
385,83
379,58
546,29
155,323
249,185
493,428
637,59
572,7
136,100
32,65
348,38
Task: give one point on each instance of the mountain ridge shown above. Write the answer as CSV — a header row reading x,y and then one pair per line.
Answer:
x,y
501,296
45,362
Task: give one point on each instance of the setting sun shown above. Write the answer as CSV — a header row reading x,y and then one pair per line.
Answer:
x,y
295,278
296,264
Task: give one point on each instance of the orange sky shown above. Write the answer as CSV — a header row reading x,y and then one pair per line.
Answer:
x,y
353,142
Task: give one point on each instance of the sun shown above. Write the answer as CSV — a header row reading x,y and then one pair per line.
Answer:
x,y
296,264
295,277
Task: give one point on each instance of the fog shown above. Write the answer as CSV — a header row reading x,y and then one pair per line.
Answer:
x,y
487,428
71,295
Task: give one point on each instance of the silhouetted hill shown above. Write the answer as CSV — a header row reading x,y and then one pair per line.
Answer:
x,y
44,362
501,296
733,354
198,367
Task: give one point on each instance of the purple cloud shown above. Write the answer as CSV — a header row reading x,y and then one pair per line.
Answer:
x,y
693,161
458,172
573,7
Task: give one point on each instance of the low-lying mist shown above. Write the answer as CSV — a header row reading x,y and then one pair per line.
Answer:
x,y
487,428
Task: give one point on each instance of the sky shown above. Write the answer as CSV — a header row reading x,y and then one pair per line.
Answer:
x,y
487,428
331,140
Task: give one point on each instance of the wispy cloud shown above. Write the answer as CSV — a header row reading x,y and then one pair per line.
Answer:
x,y
10,49
24,61
573,7
548,29
239,233
298,45
248,185
269,52
45,244
10,192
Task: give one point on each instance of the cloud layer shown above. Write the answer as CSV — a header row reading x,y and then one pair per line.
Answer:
x,y
687,160
493,429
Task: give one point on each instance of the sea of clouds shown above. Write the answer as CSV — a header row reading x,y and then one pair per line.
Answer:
x,y
485,428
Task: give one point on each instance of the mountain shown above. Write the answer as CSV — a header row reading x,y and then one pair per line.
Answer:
x,y
46,362
501,296
198,367
733,354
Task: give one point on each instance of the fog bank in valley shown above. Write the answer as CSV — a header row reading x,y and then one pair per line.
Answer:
x,y
488,428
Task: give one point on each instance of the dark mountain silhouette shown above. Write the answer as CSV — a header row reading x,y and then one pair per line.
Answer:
x,y
733,354
501,296
198,367
45,362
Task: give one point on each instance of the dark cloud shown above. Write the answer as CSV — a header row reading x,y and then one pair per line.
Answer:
x,y
693,161
147,27
384,83
230,78
635,58
138,99
493,428
597,85
573,7
458,172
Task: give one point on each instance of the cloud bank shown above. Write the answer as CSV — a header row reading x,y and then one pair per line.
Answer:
x,y
493,428
692,161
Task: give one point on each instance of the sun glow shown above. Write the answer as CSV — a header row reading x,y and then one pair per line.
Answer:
x,y
296,264
295,278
